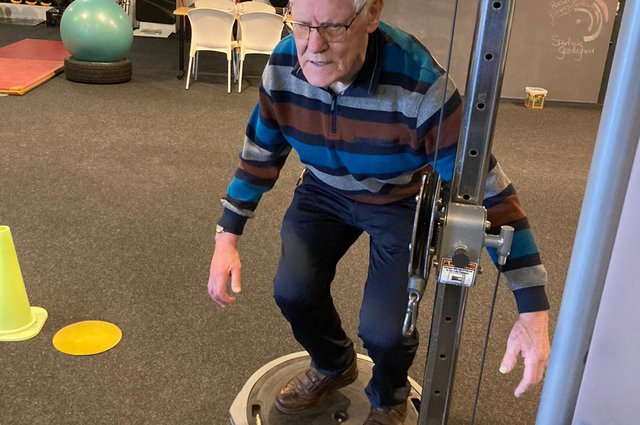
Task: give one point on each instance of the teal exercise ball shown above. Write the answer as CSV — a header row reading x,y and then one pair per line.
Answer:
x,y
96,31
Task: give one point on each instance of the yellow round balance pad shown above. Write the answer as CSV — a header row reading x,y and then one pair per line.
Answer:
x,y
86,338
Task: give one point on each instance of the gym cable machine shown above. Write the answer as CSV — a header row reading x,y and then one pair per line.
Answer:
x,y
449,234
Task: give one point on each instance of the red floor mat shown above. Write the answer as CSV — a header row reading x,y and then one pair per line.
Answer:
x,y
28,63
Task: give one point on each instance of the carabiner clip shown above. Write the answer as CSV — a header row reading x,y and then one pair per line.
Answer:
x,y
411,316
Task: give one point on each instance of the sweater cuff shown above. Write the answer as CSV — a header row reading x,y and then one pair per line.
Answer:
x,y
232,222
531,299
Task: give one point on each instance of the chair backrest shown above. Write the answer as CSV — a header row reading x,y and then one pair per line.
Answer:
x,y
261,31
255,6
211,28
227,5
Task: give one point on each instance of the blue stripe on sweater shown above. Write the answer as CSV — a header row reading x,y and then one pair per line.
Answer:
x,y
264,136
446,163
523,245
324,158
396,163
286,47
378,166
244,191
394,61
422,68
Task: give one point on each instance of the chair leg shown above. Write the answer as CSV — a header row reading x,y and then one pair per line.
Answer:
x,y
229,75
240,76
189,70
235,65
195,71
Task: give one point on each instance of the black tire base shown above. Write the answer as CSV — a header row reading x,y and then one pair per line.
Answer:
x,y
97,72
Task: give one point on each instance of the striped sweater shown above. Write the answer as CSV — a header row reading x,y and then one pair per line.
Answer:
x,y
372,142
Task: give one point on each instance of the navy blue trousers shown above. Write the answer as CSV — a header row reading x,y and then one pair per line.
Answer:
x,y
318,229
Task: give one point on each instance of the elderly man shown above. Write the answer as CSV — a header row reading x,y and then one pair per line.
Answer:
x,y
360,101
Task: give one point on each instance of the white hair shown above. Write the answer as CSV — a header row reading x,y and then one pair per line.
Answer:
x,y
357,4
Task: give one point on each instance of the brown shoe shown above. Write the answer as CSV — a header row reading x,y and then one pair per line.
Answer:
x,y
387,415
307,388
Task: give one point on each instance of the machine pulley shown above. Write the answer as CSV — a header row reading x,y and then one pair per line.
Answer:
x,y
449,236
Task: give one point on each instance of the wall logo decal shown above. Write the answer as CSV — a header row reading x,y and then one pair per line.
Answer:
x,y
581,21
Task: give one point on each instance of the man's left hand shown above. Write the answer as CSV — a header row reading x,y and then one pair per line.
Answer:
x,y
529,338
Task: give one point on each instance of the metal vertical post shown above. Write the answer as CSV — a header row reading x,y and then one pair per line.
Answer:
x,y
482,95
613,158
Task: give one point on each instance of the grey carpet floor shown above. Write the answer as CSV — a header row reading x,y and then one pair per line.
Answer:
x,y
112,193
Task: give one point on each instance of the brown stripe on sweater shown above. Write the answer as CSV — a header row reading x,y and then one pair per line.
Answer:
x,y
348,130
266,173
267,108
448,134
352,130
305,120
505,212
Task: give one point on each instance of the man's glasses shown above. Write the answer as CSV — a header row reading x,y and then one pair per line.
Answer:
x,y
331,33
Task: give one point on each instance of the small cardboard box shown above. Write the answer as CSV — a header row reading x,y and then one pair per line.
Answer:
x,y
534,98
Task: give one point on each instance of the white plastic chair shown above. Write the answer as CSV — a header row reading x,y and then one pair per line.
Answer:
x,y
255,6
227,5
211,30
261,31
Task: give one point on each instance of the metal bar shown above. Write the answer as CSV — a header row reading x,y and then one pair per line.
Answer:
x,y
482,94
448,314
474,149
613,157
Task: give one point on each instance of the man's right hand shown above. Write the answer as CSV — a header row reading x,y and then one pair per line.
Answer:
x,y
225,264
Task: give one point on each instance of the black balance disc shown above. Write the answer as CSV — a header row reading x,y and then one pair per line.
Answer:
x,y
349,405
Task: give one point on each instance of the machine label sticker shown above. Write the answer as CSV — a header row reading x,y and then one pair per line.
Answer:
x,y
452,275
